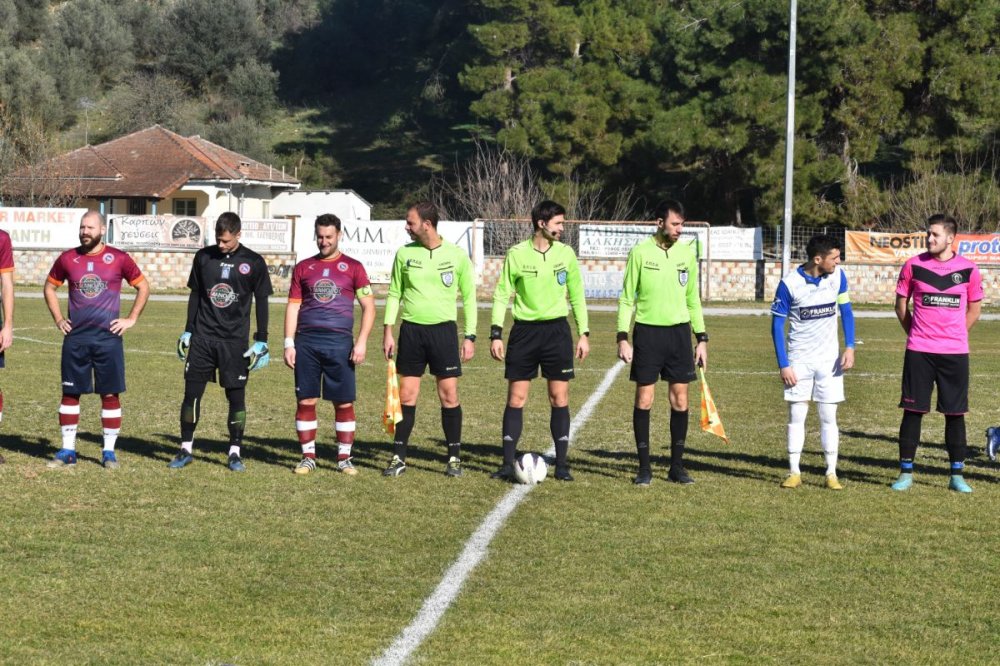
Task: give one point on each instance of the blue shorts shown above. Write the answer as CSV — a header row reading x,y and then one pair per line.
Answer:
x,y
93,365
323,367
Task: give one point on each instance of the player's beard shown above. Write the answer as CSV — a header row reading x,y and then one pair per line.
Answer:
x,y
663,238
940,251
88,245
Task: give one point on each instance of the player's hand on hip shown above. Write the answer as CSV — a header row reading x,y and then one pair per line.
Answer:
x,y
64,325
788,377
259,356
583,347
625,351
183,345
119,326
359,352
847,359
468,350
496,349
290,357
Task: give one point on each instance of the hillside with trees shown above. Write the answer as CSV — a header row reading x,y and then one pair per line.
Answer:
x,y
608,105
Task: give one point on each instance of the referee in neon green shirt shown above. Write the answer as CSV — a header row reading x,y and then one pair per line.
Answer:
x,y
427,277
540,272
661,284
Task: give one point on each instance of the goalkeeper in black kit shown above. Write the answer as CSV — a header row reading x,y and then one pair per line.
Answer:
x,y
225,277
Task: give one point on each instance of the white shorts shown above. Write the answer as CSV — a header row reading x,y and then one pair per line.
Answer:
x,y
819,382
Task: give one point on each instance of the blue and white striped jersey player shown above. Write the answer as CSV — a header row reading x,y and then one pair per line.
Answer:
x,y
812,366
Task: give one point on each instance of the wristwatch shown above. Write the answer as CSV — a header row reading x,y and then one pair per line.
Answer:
x,y
471,338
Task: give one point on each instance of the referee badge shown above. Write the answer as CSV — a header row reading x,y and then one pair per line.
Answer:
x,y
682,276
561,277
448,278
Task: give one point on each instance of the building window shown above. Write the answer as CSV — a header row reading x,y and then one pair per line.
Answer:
x,y
136,206
265,210
185,207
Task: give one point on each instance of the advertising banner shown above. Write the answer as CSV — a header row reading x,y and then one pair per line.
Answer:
x,y
736,244
156,231
979,248
614,241
57,228
266,236
603,284
374,244
874,247
865,247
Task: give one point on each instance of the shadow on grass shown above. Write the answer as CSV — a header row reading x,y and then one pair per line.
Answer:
x,y
857,434
38,447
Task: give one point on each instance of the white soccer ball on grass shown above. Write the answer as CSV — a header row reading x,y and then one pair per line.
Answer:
x,y
530,469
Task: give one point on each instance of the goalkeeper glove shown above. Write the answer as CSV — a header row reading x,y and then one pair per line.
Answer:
x,y
258,355
183,344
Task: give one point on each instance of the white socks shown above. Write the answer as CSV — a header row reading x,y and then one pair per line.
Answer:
x,y
796,433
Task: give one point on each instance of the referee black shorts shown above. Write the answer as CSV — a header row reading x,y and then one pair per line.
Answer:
x,y
207,355
428,345
922,370
662,352
544,344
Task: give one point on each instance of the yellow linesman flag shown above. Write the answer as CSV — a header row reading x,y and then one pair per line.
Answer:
x,y
710,421
393,412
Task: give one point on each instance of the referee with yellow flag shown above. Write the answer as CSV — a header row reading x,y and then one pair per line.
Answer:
x,y
427,277
661,285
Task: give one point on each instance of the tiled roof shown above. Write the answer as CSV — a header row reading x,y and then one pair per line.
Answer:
x,y
152,163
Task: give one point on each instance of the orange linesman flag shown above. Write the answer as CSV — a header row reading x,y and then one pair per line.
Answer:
x,y
710,421
393,412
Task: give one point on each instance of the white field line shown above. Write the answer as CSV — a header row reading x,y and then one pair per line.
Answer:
x,y
474,552
59,344
738,373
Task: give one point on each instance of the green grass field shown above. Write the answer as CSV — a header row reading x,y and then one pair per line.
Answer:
x,y
147,565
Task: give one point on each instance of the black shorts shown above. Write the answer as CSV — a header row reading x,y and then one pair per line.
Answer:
x,y
92,364
323,367
532,344
428,345
208,354
662,352
922,370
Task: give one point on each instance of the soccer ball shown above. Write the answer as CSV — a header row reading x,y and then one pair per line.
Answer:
x,y
530,469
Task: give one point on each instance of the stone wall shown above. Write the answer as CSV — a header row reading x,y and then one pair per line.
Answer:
x,y
758,280
164,269
869,283
723,281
